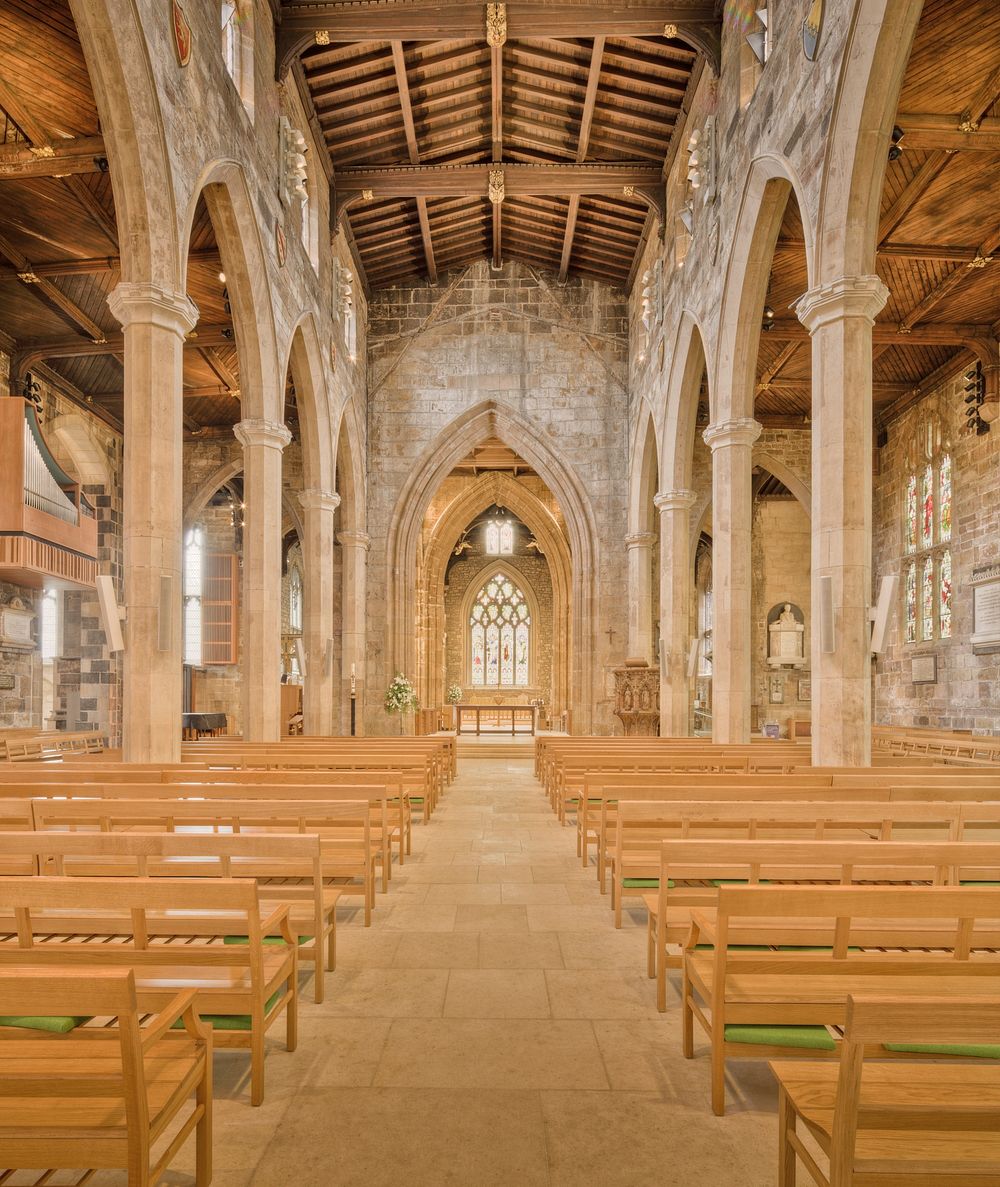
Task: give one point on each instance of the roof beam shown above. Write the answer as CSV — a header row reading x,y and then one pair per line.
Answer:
x,y
949,132
219,368
406,105
73,348
911,193
51,292
770,373
306,23
95,265
583,144
79,155
984,258
889,334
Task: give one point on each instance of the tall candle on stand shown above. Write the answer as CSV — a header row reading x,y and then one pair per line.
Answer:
x,y
352,680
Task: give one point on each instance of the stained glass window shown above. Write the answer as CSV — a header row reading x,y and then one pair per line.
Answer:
x,y
499,537
492,538
911,602
911,514
506,537
500,635
927,600
927,508
295,600
944,499
944,583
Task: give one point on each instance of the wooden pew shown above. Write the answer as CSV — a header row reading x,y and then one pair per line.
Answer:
x,y
102,1101
691,872
926,1124
348,852
641,826
287,867
732,993
242,990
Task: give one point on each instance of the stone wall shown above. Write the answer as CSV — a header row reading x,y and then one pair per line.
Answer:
x,y
551,357
780,550
21,705
967,693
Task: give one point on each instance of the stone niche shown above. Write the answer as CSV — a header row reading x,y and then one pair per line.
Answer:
x,y
637,699
786,634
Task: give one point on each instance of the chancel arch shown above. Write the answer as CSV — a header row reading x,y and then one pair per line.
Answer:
x,y
643,544
484,422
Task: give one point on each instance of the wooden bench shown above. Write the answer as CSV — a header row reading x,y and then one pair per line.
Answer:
x,y
640,826
691,872
756,1004
288,868
103,1101
924,1124
242,989
349,853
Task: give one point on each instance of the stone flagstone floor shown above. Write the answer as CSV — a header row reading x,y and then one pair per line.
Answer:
x,y
490,1028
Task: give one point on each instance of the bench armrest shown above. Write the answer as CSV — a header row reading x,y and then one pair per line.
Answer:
x,y
182,1006
278,920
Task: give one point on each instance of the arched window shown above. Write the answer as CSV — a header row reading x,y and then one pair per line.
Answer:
x,y
500,636
236,18
499,537
927,530
194,555
295,600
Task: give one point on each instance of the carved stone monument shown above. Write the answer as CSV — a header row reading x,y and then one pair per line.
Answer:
x,y
786,637
637,699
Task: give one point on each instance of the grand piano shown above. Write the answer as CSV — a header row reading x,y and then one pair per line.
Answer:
x,y
48,529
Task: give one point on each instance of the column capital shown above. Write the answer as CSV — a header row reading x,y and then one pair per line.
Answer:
x,y
675,500
640,540
315,498
270,434
743,431
848,296
354,540
133,302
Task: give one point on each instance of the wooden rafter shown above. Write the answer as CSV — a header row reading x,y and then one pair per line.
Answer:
x,y
79,155
69,348
583,144
946,132
928,334
697,23
770,373
40,137
413,150
984,258
48,290
95,265
219,368
911,193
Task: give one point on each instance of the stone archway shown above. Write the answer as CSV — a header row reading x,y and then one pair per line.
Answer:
x,y
492,419
501,489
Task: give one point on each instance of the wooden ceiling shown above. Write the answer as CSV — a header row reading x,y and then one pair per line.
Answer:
x,y
416,120
939,237
493,454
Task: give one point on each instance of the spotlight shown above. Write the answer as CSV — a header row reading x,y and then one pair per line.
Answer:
x,y
767,318
102,164
895,150
222,278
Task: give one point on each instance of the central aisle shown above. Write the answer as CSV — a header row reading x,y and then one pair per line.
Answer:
x,y
492,1027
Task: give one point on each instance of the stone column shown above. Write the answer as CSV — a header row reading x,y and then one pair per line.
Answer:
x,y
155,322
354,620
318,509
839,317
640,596
262,441
731,443
676,581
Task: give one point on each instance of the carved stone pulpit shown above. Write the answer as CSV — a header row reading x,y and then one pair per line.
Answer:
x,y
637,699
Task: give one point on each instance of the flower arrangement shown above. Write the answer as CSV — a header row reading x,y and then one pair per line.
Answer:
x,y
454,694
400,696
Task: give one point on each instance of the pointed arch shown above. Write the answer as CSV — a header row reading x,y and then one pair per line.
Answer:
x,y
200,499
304,359
770,180
477,424
786,475
644,475
349,459
234,219
688,366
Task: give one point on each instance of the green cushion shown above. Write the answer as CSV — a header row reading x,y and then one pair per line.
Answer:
x,y
266,939
973,882
975,1050
644,883
416,799
814,1038
52,1025
231,1021
729,881
734,948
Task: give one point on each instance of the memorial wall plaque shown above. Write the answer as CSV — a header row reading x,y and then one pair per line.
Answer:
x,y
986,607
923,669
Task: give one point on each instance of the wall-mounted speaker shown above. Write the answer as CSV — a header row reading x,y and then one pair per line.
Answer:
x,y
164,625
300,652
827,635
883,611
692,669
662,648
111,622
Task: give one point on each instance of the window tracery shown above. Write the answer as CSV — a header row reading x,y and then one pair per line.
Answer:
x,y
927,529
500,635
